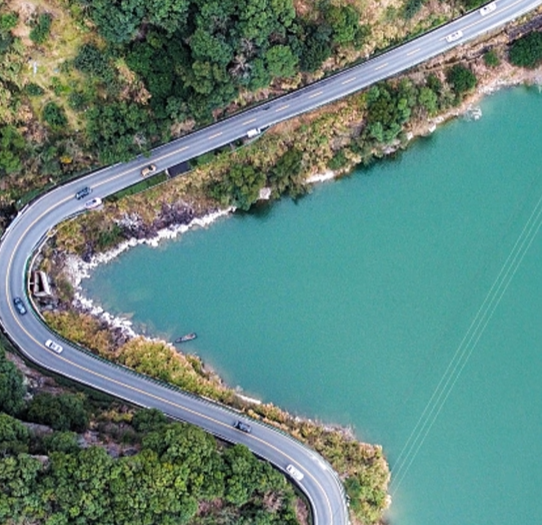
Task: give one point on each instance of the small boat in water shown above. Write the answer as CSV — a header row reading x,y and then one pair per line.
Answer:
x,y
186,338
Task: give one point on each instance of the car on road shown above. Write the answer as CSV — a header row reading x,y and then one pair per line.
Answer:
x,y
18,302
456,35
294,472
55,347
489,8
82,193
93,203
147,170
243,427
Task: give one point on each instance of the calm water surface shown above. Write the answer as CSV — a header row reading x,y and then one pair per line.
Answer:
x,y
351,305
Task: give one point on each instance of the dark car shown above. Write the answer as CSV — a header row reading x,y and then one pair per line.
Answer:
x,y
243,427
82,193
18,302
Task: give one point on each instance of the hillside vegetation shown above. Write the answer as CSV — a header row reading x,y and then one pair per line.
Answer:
x,y
174,473
84,82
362,466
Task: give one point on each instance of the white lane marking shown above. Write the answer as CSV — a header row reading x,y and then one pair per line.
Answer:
x,y
349,80
315,94
282,108
381,66
215,135
249,121
413,51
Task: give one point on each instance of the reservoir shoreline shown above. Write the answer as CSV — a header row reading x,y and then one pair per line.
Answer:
x,y
79,269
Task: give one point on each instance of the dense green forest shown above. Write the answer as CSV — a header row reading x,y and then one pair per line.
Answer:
x,y
175,473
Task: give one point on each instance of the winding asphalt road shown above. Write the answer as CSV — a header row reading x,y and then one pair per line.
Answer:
x,y
320,483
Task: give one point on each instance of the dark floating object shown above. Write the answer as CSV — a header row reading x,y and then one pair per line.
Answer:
x,y
186,338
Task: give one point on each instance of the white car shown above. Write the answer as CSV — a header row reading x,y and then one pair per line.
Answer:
x,y
295,473
93,203
456,35
489,8
55,347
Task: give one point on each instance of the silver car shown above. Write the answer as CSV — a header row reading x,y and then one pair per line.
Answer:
x,y
93,203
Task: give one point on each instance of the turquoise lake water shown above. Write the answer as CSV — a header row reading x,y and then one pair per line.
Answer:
x,y
405,300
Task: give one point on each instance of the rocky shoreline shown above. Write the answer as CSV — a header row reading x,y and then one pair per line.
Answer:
x,y
168,226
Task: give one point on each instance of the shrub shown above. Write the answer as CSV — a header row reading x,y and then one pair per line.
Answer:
x,y
316,47
339,160
41,28
461,78
65,442
54,115
11,386
12,146
491,59
59,88
33,90
147,420
472,4
286,175
527,51
90,60
281,62
8,22
14,436
240,187
344,22
78,100
411,7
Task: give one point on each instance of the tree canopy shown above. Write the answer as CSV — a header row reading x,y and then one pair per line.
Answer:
x,y
11,386
527,51
178,467
194,57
